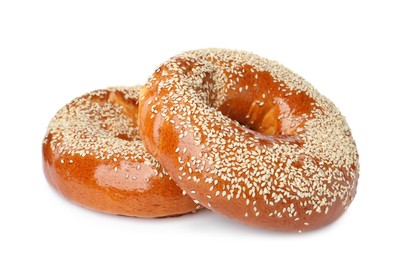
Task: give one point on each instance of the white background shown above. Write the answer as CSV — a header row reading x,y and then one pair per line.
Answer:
x,y
53,51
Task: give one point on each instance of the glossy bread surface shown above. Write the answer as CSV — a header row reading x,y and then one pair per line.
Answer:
x,y
93,156
250,139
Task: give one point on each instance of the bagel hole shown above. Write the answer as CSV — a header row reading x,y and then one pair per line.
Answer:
x,y
125,137
260,103
263,120
130,110
129,106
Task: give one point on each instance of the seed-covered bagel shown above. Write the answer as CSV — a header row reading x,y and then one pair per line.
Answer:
x,y
250,139
93,156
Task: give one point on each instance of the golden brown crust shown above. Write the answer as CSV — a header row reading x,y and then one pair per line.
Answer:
x,y
291,164
93,156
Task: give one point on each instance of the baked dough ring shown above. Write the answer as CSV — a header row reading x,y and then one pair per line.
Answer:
x,y
93,156
250,139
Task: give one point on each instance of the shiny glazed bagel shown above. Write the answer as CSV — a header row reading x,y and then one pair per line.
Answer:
x,y
93,156
250,139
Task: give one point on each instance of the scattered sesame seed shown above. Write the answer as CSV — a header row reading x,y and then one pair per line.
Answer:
x,y
96,126
314,163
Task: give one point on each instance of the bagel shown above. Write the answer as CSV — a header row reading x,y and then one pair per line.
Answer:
x,y
93,156
248,138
